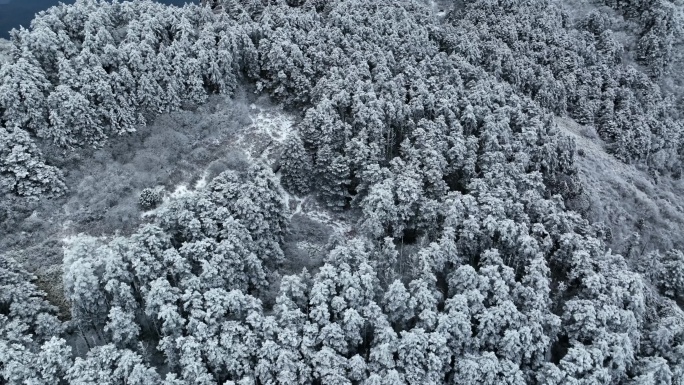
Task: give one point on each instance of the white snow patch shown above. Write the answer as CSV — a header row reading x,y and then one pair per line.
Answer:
x,y
315,213
289,198
276,124
322,216
180,191
202,182
271,125
438,9
70,239
298,208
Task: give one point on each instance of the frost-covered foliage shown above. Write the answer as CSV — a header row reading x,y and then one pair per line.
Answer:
x,y
186,280
575,67
465,265
149,198
296,166
665,271
661,32
30,350
97,69
22,171
399,114
4,51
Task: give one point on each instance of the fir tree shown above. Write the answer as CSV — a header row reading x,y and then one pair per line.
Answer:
x,y
333,172
296,166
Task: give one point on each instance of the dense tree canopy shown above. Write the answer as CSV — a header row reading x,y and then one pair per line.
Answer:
x,y
466,266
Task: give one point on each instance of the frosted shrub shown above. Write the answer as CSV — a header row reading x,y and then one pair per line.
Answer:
x,y
149,198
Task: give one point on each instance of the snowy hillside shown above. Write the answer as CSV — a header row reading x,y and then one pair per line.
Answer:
x,y
626,198
344,192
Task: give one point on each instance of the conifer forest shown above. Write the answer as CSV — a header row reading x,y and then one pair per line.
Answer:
x,y
343,192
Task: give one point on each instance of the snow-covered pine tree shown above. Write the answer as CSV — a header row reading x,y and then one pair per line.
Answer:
x,y
24,89
296,166
333,173
22,168
72,119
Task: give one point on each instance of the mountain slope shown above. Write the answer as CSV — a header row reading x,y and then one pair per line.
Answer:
x,y
414,214
626,197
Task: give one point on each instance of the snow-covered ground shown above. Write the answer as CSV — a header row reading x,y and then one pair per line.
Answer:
x,y
272,122
625,197
438,8
269,128
263,139
106,186
441,7
180,191
202,182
